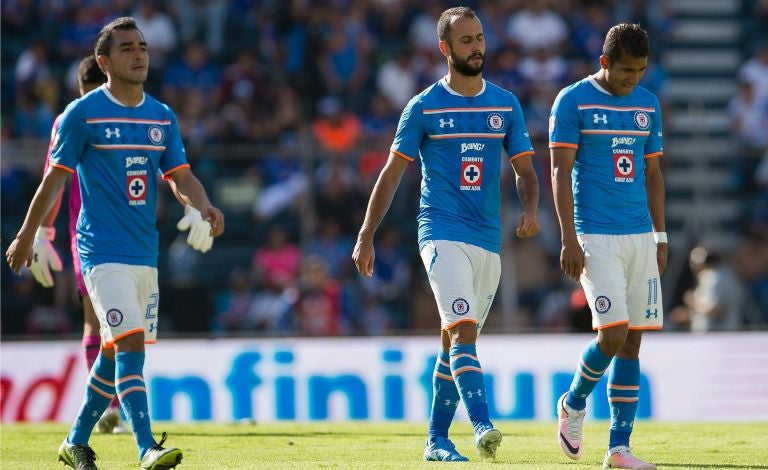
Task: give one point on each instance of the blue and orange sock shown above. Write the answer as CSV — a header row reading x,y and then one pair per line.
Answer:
x,y
591,368
445,398
469,379
133,397
623,395
99,390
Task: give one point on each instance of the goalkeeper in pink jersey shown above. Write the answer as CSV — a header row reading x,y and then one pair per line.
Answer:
x,y
45,259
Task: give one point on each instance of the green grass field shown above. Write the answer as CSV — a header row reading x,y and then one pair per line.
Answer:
x,y
393,446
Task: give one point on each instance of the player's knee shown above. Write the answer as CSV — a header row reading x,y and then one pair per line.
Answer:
x,y
463,333
130,343
611,340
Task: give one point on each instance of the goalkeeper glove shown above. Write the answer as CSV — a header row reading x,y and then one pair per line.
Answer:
x,y
44,256
199,230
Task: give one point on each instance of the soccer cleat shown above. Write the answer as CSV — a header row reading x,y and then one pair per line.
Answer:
x,y
487,440
442,450
622,457
110,421
77,457
159,458
569,429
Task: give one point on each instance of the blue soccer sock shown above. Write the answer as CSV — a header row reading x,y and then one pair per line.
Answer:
x,y
133,397
591,367
445,397
468,376
99,390
623,395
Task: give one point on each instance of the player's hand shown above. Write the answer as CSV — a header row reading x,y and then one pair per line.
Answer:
x,y
528,225
44,256
661,256
363,255
19,253
572,260
214,217
199,236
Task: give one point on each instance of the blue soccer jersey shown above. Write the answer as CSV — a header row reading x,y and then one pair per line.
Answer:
x,y
459,140
612,135
117,152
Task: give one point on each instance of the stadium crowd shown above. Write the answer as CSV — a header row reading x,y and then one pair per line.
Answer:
x,y
288,109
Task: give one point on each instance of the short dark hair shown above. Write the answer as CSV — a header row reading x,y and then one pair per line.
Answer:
x,y
89,73
444,22
626,38
104,39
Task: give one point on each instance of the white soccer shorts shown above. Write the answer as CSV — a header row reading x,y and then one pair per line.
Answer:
x,y
621,281
464,279
125,298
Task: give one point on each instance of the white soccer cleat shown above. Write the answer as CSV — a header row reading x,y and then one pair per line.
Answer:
x,y
487,441
569,429
622,457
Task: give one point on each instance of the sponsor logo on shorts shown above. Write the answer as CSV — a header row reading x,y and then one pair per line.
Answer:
x,y
460,306
602,304
114,317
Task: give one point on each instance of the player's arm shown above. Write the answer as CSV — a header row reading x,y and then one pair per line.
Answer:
x,y
378,205
191,192
654,187
19,253
571,254
527,183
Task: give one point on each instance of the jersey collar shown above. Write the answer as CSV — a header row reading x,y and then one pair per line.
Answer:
x,y
115,100
594,83
444,83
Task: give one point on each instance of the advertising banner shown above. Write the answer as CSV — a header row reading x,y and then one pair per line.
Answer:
x,y
684,377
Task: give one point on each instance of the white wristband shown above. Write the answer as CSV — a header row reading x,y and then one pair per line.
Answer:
x,y
660,237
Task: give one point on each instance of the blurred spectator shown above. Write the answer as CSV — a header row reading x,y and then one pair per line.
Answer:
x,y
318,311
336,129
536,26
194,72
755,70
202,20
718,300
276,264
749,121
396,79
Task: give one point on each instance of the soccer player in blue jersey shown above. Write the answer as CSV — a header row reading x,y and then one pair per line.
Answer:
x,y
458,127
605,141
117,138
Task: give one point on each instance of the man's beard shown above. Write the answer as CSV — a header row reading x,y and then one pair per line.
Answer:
x,y
465,68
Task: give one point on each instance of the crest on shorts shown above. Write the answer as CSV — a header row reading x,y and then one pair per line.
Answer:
x,y
114,317
602,304
460,306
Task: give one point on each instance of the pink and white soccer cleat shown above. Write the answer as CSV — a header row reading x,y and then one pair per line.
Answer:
x,y
569,430
622,457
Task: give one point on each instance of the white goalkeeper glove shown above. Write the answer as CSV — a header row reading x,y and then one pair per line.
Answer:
x,y
199,230
44,256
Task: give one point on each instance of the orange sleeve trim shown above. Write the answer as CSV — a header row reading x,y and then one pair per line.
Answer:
x,y
401,154
460,321
654,155
167,174
62,167
521,154
563,144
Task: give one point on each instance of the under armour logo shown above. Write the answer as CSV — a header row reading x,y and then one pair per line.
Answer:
x,y
109,132
471,394
600,118
446,122
652,313
448,402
